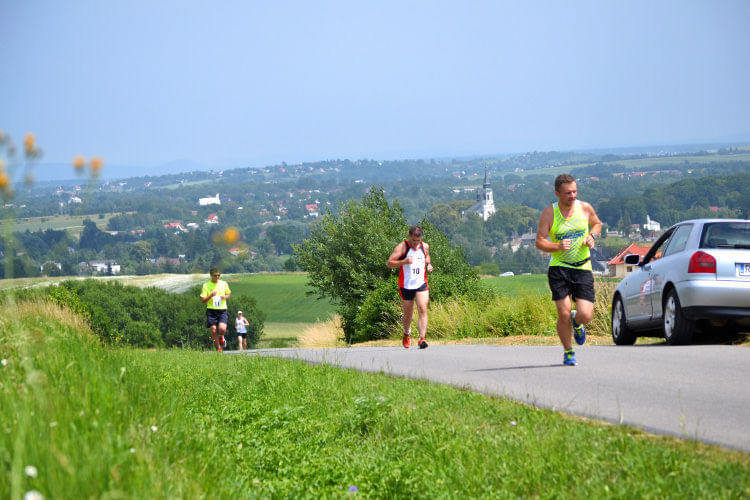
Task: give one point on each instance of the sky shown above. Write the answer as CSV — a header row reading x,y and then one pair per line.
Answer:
x,y
247,83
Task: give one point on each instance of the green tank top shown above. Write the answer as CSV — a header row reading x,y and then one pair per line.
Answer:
x,y
576,228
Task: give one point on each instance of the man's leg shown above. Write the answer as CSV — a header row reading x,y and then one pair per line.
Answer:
x,y
408,308
584,311
214,336
422,299
564,328
222,330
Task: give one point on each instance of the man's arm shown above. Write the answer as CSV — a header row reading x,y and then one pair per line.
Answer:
x,y
427,258
595,224
205,297
394,262
545,224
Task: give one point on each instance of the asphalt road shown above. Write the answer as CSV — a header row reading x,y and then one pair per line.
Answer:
x,y
694,392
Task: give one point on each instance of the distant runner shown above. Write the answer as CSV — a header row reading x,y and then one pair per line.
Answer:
x,y
215,294
241,324
572,227
412,258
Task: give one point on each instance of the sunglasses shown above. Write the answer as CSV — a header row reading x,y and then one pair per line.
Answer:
x,y
215,275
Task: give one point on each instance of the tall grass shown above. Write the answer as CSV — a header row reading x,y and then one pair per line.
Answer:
x,y
82,421
516,311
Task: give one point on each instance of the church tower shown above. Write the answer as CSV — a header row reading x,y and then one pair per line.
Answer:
x,y
485,205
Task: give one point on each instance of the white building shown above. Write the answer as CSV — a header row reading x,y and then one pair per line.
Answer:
x,y
210,200
651,225
485,205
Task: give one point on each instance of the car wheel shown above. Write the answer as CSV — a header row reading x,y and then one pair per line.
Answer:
x,y
677,328
622,334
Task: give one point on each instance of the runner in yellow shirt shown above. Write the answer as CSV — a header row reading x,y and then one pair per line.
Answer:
x,y
215,294
568,230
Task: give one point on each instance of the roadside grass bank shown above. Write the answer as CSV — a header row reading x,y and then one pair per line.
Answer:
x,y
83,421
517,309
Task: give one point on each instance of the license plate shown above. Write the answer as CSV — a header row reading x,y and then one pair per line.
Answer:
x,y
743,269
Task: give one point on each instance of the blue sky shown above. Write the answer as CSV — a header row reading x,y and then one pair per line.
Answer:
x,y
250,83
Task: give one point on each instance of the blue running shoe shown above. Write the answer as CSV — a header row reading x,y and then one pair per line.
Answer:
x,y
579,331
569,358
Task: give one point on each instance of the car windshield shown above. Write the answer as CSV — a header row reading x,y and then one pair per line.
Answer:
x,y
726,235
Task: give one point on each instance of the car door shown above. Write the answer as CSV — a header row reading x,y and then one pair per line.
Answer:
x,y
665,261
638,285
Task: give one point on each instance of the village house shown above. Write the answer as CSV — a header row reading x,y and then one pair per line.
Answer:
x,y
617,266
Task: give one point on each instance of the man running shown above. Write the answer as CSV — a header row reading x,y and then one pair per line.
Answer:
x,y
572,227
412,258
215,294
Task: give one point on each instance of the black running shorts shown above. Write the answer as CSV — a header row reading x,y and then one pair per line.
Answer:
x,y
407,294
564,281
216,316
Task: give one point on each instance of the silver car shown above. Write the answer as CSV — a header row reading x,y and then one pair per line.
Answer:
x,y
696,275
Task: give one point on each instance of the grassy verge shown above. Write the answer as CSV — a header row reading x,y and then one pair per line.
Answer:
x,y
82,421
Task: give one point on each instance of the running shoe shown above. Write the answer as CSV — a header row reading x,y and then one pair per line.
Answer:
x,y
579,331
218,349
569,358
406,341
223,342
422,343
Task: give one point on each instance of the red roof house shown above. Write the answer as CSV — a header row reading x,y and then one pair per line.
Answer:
x,y
617,266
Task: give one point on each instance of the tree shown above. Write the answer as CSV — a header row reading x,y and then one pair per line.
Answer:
x,y
345,255
141,251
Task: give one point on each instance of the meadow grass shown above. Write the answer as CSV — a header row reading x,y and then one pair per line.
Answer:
x,y
71,223
524,284
662,161
82,421
282,296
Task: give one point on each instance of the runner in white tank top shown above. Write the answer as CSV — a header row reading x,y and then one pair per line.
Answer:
x,y
412,258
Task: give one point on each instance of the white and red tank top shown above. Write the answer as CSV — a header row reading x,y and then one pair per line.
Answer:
x,y
413,276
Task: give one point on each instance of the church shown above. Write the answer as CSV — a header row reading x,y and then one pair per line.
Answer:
x,y
485,205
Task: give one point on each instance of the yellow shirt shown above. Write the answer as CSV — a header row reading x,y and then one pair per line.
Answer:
x,y
222,288
576,228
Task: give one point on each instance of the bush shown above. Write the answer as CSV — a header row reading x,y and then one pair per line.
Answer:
x,y
148,317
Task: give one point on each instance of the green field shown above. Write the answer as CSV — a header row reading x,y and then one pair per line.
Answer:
x,y
669,160
635,163
282,296
519,285
72,223
81,420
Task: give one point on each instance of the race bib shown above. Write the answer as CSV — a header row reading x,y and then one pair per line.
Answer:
x,y
216,301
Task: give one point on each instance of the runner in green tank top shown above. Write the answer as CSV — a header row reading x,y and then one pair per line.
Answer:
x,y
568,230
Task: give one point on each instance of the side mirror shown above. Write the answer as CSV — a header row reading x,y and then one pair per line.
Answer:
x,y
632,259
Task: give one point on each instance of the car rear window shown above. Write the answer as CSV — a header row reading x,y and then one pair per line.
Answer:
x,y
726,235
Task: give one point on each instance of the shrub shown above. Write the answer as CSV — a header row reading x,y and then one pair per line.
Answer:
x,y
148,317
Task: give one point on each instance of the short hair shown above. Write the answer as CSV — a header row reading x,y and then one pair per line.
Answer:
x,y
214,271
415,231
563,179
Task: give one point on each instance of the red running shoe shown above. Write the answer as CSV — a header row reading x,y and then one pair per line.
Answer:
x,y
406,341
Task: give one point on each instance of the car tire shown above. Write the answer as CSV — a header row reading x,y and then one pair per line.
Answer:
x,y
622,334
678,330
